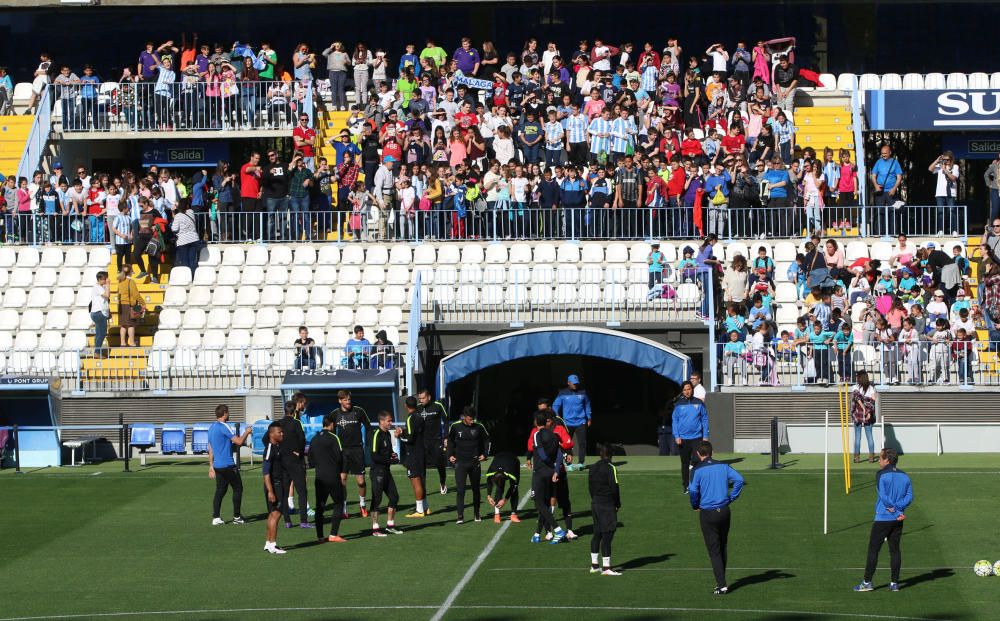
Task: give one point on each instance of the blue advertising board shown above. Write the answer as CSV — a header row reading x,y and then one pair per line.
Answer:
x,y
948,110
184,153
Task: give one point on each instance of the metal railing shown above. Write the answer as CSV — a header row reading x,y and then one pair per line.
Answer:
x,y
611,295
180,106
38,137
962,364
296,220
238,368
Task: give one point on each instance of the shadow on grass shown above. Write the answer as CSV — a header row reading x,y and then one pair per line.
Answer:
x,y
305,544
734,460
643,561
917,530
767,576
851,527
928,576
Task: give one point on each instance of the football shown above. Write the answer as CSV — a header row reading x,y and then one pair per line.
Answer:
x,y
983,568
996,568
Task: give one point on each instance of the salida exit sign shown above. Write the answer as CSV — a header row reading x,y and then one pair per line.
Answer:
x,y
181,156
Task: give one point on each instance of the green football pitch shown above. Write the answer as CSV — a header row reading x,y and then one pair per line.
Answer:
x,y
96,542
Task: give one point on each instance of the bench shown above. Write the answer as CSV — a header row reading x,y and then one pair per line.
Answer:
x,y
81,443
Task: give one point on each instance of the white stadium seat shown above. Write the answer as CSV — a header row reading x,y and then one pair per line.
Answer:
x,y
218,319
446,275
170,319
913,82
400,254
280,255
443,294
292,317
32,320
276,275
99,258
217,339
210,256
41,298
56,319
252,275
317,317
256,255
977,80
68,277
352,254
233,256
473,254
543,274
425,255
228,275
321,296
390,316
342,316
346,296
29,257
45,277
20,277
496,254
589,294
75,257
934,82
53,257
373,275
305,256
520,253
194,319
8,257
847,82
366,316
468,295
995,79
491,295
827,82
891,82
328,255
869,82
785,293
592,253
220,296
80,319
569,253
398,275
616,253
545,253
15,298
376,254
301,275
349,275
180,275
370,294
325,275
957,81
394,295
448,255
202,276
881,250
856,250
243,319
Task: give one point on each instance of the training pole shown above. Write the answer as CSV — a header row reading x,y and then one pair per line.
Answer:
x,y
826,472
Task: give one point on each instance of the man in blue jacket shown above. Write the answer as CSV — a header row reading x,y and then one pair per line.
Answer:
x,y
895,494
689,423
710,497
573,405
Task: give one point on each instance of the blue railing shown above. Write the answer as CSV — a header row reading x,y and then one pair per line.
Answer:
x,y
37,138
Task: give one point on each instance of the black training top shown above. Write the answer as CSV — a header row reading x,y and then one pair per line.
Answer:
x,y
272,465
295,437
381,448
351,426
603,480
413,433
467,442
435,422
326,456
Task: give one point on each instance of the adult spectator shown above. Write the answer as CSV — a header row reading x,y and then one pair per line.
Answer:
x,y
131,307
467,58
717,194
992,179
40,81
573,405
303,62
274,183
385,193
148,241
298,198
736,282
250,176
306,351
699,387
946,173
886,176
720,59
185,227
269,58
305,141
776,198
362,61
689,423
337,62
742,63
100,310
628,181
786,80
383,351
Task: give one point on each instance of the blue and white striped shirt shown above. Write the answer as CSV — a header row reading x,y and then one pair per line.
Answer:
x,y
622,134
122,223
576,128
648,79
599,144
553,134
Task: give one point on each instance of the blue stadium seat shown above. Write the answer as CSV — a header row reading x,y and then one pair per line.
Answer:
x,y
142,436
199,438
259,435
173,438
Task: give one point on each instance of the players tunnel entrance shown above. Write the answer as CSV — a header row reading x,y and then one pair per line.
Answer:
x,y
628,379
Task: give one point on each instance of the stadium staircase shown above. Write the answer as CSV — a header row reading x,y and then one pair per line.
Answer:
x,y
989,361
14,132
330,123
118,361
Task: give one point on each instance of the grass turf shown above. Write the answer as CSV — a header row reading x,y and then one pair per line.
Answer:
x,y
81,544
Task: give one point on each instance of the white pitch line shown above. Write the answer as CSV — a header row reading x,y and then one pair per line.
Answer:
x,y
455,592
233,611
582,569
853,615
150,613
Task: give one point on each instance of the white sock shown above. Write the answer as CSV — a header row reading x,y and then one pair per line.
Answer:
x,y
593,559
420,506
390,523
269,544
607,562
345,506
361,501
291,503
496,510
374,525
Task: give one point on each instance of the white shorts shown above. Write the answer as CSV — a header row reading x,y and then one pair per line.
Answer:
x,y
39,84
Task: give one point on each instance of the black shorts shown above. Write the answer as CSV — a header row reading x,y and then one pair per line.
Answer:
x,y
434,455
605,517
354,461
415,464
281,498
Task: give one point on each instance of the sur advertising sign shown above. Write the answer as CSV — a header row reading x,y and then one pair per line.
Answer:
x,y
949,110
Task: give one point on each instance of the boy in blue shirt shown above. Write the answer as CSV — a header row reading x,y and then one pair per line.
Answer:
x,y
358,349
655,260
843,342
797,275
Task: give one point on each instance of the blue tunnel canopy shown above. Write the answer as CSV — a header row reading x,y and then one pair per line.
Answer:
x,y
580,341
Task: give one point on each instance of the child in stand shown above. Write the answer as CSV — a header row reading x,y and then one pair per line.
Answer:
x,y
687,266
940,352
797,275
734,322
785,347
961,353
733,354
361,201
762,262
